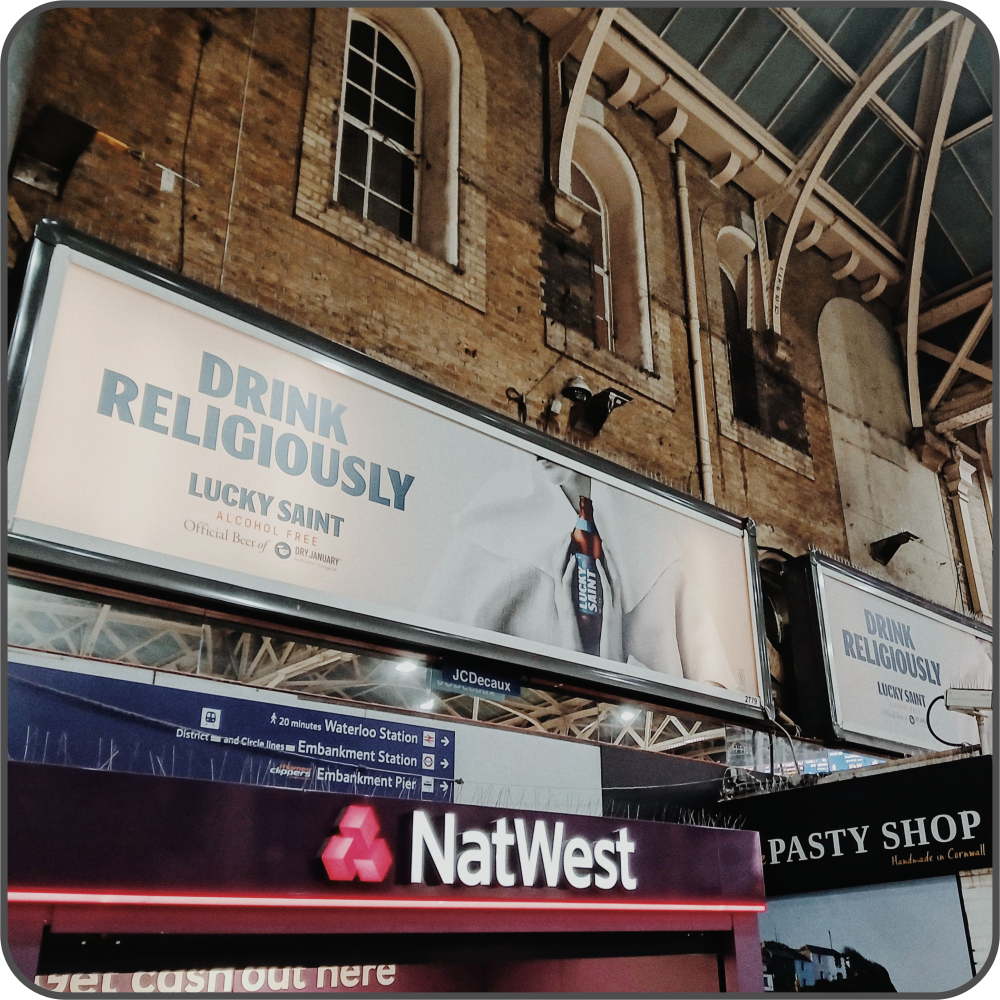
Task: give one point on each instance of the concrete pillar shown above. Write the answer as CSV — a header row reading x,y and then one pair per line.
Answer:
x,y
958,478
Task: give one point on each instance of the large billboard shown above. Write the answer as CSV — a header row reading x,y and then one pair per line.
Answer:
x,y
161,427
873,663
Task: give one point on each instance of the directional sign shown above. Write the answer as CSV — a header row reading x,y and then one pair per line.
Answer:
x,y
80,720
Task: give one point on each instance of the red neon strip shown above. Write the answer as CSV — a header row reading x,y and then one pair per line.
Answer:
x,y
370,903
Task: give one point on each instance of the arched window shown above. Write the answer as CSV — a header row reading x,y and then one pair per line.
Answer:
x,y
765,395
379,145
398,129
736,275
595,224
605,183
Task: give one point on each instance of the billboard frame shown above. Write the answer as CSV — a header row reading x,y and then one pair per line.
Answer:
x,y
813,646
53,556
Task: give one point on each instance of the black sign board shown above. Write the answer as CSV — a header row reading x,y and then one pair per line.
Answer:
x,y
864,829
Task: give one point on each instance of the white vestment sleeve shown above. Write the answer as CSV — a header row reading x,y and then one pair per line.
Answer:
x,y
671,630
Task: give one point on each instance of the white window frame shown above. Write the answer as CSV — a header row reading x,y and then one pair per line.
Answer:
x,y
619,190
605,271
414,155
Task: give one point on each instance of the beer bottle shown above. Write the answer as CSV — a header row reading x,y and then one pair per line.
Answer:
x,y
588,595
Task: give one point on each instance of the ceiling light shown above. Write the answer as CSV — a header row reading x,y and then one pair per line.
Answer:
x,y
628,714
427,705
406,666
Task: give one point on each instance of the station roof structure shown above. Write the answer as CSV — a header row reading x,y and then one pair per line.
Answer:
x,y
891,108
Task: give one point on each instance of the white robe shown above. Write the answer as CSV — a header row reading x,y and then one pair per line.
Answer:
x,y
507,568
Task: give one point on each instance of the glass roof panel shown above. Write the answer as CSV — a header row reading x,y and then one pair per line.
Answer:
x,y
824,20
963,214
902,90
971,104
975,153
749,41
695,30
754,58
862,32
815,101
655,18
923,21
857,131
884,192
865,162
943,268
979,61
781,73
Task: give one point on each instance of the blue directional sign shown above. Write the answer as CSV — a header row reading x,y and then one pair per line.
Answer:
x,y
80,720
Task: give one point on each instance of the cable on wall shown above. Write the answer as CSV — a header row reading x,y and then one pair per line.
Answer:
x,y
204,34
236,159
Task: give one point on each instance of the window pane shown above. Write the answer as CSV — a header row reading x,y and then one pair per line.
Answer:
x,y
595,231
354,154
390,57
582,189
392,175
393,125
384,214
358,104
363,37
351,196
401,96
406,225
602,326
359,71
742,363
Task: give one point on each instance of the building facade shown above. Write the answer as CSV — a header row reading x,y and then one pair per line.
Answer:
x,y
586,223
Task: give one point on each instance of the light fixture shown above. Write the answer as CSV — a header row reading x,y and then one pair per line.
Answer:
x,y
577,390
628,714
427,705
406,666
588,416
885,548
366,902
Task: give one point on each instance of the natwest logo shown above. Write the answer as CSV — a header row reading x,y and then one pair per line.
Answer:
x,y
507,857
357,849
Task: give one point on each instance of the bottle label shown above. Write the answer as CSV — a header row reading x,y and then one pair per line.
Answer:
x,y
588,586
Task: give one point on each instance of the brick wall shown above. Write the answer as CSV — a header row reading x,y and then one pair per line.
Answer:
x,y
256,227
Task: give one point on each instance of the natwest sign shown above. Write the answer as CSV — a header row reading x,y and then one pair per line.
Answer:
x,y
340,853
387,852
508,855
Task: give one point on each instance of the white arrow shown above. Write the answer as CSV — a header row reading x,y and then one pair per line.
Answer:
x,y
444,786
445,741
444,763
